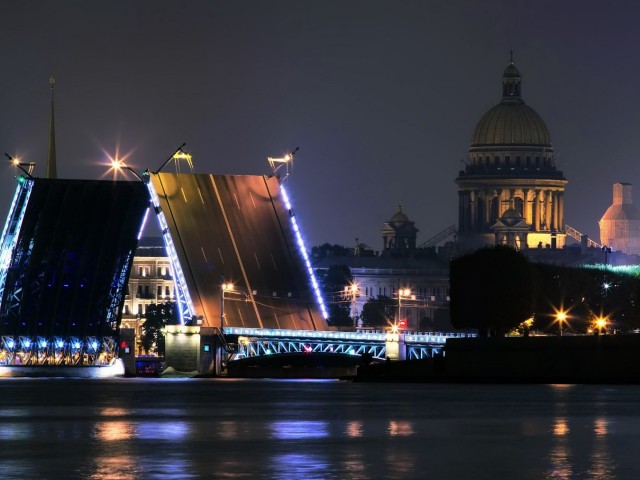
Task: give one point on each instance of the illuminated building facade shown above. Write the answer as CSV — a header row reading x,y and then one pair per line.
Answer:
x,y
510,191
400,266
150,282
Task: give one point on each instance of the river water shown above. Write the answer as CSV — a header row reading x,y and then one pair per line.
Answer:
x,y
274,429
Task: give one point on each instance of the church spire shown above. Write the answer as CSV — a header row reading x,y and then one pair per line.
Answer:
x,y
511,82
51,158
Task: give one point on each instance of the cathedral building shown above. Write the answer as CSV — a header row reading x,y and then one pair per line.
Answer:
x,y
510,191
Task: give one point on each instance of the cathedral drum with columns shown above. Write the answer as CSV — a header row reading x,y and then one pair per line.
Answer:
x,y
510,192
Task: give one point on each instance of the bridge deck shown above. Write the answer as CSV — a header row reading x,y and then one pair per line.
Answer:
x,y
238,226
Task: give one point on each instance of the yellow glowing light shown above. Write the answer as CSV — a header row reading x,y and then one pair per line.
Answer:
x,y
116,164
394,329
601,322
227,287
561,316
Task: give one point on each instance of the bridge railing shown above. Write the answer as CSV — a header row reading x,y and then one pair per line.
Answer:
x,y
409,337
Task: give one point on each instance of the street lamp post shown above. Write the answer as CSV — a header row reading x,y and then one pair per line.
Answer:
x,y
403,292
561,317
351,292
224,287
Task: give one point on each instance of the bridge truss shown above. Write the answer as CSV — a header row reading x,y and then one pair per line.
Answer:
x,y
255,342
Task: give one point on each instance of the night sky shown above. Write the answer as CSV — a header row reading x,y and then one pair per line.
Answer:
x,y
381,96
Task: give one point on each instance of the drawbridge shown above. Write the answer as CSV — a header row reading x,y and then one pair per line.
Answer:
x,y
67,246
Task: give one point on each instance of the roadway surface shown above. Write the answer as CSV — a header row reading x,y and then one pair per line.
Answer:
x,y
237,226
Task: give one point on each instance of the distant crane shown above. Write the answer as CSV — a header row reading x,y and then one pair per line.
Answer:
x,y
433,241
576,235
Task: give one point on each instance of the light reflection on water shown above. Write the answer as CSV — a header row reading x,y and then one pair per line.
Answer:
x,y
141,429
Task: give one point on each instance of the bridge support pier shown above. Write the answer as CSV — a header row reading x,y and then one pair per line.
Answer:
x,y
127,350
395,346
189,349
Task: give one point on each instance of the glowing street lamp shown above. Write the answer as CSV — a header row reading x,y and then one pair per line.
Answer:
x,y
601,324
561,317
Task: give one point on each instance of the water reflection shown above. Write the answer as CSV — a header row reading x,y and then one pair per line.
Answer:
x,y
560,427
399,429
228,430
600,426
401,464
296,466
173,430
354,429
560,461
602,465
113,431
298,429
122,467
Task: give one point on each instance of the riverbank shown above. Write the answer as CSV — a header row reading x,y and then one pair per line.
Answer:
x,y
613,359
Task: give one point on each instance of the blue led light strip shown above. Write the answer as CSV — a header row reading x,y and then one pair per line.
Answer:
x,y
12,228
303,252
187,310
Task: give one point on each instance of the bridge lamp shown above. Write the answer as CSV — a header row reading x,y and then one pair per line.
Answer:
x,y
118,165
224,287
21,165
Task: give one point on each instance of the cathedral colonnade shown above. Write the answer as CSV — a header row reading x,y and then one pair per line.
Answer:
x,y
542,208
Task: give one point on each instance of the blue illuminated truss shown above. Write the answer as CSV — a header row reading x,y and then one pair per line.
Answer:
x,y
25,350
12,228
262,341
303,251
185,304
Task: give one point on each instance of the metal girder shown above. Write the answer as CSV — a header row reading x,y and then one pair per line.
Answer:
x,y
12,229
25,350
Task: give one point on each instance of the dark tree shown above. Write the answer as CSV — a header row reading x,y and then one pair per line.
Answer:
x,y
492,290
156,318
333,282
586,293
378,312
328,250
